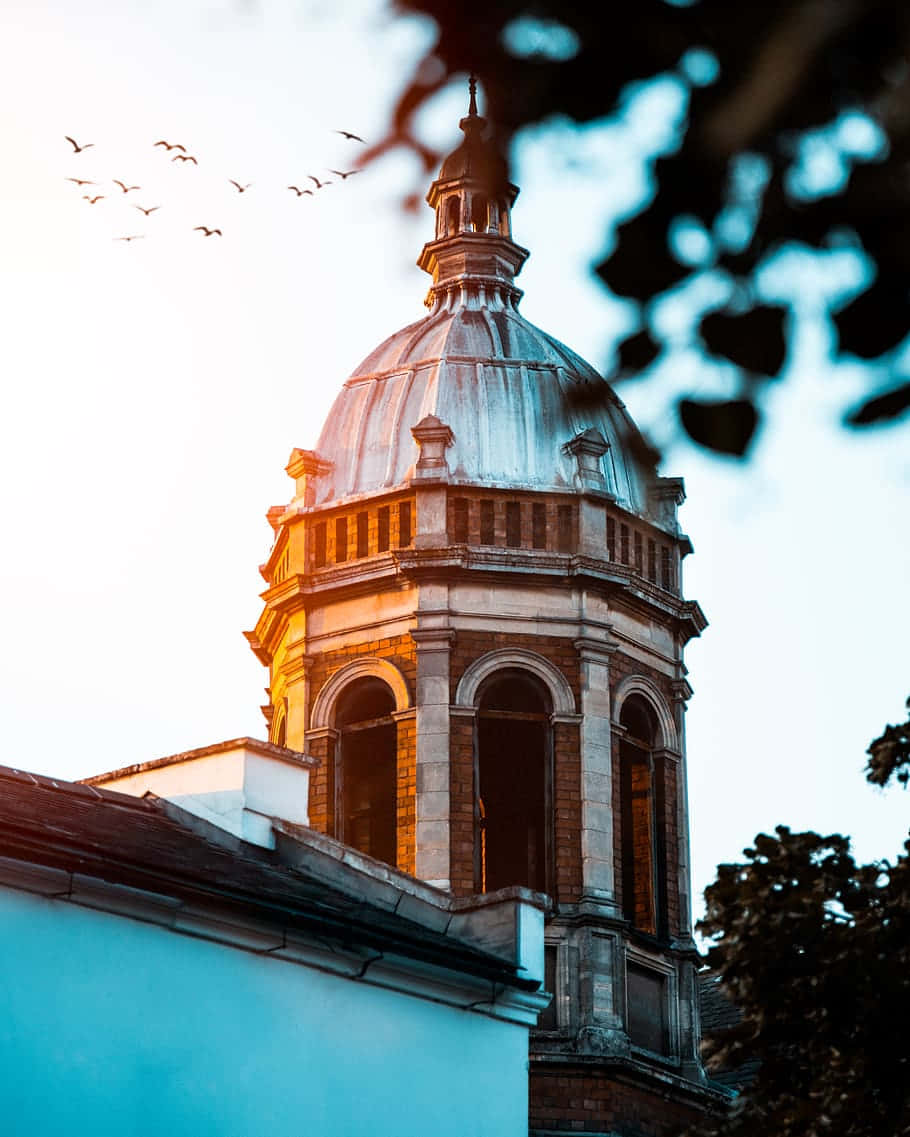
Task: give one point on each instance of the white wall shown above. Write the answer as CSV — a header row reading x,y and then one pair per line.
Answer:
x,y
114,1028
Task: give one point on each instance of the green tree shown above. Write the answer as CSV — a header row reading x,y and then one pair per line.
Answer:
x,y
814,952
773,86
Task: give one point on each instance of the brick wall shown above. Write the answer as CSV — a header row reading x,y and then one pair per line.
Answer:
x,y
587,1101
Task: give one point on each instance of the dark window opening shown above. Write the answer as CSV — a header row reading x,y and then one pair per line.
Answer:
x,y
404,524
479,214
539,525
382,529
639,558
513,524
611,539
460,521
564,528
453,211
624,544
513,785
341,539
504,218
652,562
646,998
548,1019
319,543
487,530
666,569
643,855
363,534
366,770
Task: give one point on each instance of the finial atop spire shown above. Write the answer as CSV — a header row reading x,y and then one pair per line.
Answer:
x,y
472,87
472,121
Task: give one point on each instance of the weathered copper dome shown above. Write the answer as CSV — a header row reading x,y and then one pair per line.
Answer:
x,y
512,395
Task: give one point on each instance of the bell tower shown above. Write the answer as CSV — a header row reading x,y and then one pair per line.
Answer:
x,y
474,621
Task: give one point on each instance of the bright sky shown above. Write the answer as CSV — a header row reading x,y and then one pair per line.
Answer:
x,y
154,389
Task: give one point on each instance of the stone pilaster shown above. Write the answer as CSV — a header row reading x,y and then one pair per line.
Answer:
x,y
433,830
598,869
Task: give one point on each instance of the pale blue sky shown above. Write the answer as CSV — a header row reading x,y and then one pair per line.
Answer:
x,y
155,389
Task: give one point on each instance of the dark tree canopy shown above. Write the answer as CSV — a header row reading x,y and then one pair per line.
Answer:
x,y
770,77
814,951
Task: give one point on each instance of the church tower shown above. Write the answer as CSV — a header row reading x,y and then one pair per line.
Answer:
x,y
473,620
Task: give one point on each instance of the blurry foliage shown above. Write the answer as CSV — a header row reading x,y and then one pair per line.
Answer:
x,y
814,952
768,83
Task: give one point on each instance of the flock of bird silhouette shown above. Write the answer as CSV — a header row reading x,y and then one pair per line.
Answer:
x,y
184,157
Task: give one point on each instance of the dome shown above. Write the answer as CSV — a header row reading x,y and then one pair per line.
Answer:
x,y
513,397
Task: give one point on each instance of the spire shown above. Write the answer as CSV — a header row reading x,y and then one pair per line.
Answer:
x,y
473,254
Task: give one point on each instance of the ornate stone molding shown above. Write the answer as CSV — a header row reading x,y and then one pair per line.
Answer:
x,y
324,704
639,685
554,680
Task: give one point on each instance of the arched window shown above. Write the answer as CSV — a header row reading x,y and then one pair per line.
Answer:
x,y
513,784
279,730
643,853
366,769
479,213
453,216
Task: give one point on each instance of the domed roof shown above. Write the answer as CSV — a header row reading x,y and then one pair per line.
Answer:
x,y
512,395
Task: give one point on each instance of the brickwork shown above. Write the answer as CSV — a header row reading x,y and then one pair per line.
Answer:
x,y
537,517
374,527
591,1101
400,651
461,804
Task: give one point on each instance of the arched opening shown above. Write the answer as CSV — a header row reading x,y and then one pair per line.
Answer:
x,y
643,855
479,213
366,773
453,212
279,730
513,784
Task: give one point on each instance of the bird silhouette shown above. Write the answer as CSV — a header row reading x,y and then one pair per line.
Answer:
x,y
345,173
319,184
151,209
301,192
184,158
171,145
352,137
239,187
76,147
124,186
134,237
92,200
208,232
82,181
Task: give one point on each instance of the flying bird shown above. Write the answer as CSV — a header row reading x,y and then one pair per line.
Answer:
x,y
184,158
135,237
301,192
76,147
208,232
240,188
319,184
124,186
352,137
147,211
345,173
82,181
92,200
171,145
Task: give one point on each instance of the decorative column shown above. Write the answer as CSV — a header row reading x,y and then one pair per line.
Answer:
x,y
597,822
433,830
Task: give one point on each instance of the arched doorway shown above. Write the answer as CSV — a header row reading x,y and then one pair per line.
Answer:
x,y
366,769
513,784
643,855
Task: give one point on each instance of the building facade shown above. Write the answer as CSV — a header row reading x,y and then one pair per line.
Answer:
x,y
474,623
